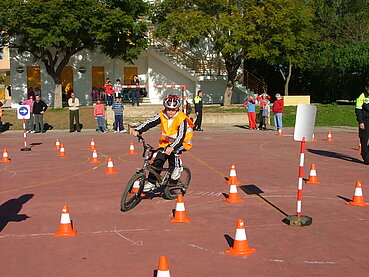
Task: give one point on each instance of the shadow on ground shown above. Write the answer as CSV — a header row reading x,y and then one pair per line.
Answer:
x,y
254,190
335,155
6,127
9,210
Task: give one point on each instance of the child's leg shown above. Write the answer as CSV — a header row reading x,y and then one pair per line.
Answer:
x,y
115,123
253,120
120,123
98,123
103,124
158,162
250,118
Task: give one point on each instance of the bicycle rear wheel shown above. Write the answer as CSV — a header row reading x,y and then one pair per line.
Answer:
x,y
171,191
132,194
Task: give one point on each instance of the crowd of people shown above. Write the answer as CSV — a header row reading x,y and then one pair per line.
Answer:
x,y
114,95
263,100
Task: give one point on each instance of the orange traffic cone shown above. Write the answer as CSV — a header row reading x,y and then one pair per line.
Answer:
x,y
66,228
280,132
359,147
240,244
110,169
57,144
313,179
314,139
135,188
329,137
180,213
62,152
233,195
5,156
94,159
358,199
92,145
232,180
132,149
163,268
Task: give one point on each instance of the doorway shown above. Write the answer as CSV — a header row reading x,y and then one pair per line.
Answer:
x,y
129,72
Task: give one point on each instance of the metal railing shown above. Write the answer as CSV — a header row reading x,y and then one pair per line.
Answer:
x,y
206,66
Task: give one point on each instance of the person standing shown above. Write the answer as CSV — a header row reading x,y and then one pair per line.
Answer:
x,y
99,115
263,100
135,91
109,92
198,111
117,88
251,112
362,116
39,108
29,122
266,115
118,115
73,103
277,109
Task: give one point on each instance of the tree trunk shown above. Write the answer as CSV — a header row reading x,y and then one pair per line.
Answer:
x,y
58,101
232,65
228,94
287,80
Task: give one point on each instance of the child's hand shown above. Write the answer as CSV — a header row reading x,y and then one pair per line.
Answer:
x,y
135,133
169,150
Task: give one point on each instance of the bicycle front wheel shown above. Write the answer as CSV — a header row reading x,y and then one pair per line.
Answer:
x,y
171,192
132,194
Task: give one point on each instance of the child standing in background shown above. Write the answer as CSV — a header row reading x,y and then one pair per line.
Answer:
x,y
99,115
251,113
118,115
266,114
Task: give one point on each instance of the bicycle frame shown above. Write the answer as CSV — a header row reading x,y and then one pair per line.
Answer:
x,y
148,155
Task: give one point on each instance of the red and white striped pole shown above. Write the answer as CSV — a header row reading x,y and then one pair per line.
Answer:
x,y
25,148
301,177
298,219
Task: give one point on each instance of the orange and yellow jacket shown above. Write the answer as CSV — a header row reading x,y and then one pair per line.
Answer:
x,y
176,132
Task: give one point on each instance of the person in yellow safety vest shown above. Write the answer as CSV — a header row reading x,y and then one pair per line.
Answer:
x,y
176,137
362,116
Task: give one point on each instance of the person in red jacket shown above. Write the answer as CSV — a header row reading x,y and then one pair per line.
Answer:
x,y
109,92
278,111
99,115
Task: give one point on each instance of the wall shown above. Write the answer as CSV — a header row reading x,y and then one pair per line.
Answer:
x,y
294,100
214,91
153,69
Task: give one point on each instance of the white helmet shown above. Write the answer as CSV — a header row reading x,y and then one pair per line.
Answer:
x,y
172,101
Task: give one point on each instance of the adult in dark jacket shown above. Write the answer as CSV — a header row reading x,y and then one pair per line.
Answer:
x,y
198,111
362,116
39,108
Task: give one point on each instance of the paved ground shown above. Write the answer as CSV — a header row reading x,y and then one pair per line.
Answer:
x,y
36,184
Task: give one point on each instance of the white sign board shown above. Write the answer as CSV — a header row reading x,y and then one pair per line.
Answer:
x,y
305,122
23,111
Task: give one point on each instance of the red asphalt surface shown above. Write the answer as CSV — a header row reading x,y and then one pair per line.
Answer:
x,y
113,243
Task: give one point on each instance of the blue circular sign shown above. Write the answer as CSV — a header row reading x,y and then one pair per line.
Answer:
x,y
23,111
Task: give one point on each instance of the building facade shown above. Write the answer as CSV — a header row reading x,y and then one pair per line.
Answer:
x,y
87,70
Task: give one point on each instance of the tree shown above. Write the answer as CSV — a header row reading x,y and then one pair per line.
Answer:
x,y
229,26
237,29
340,58
289,41
55,30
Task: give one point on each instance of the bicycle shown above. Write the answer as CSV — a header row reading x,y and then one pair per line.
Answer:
x,y
133,193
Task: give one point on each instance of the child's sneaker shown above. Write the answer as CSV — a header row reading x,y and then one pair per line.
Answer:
x,y
176,173
148,187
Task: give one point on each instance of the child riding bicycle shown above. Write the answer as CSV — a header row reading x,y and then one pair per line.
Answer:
x,y
176,137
